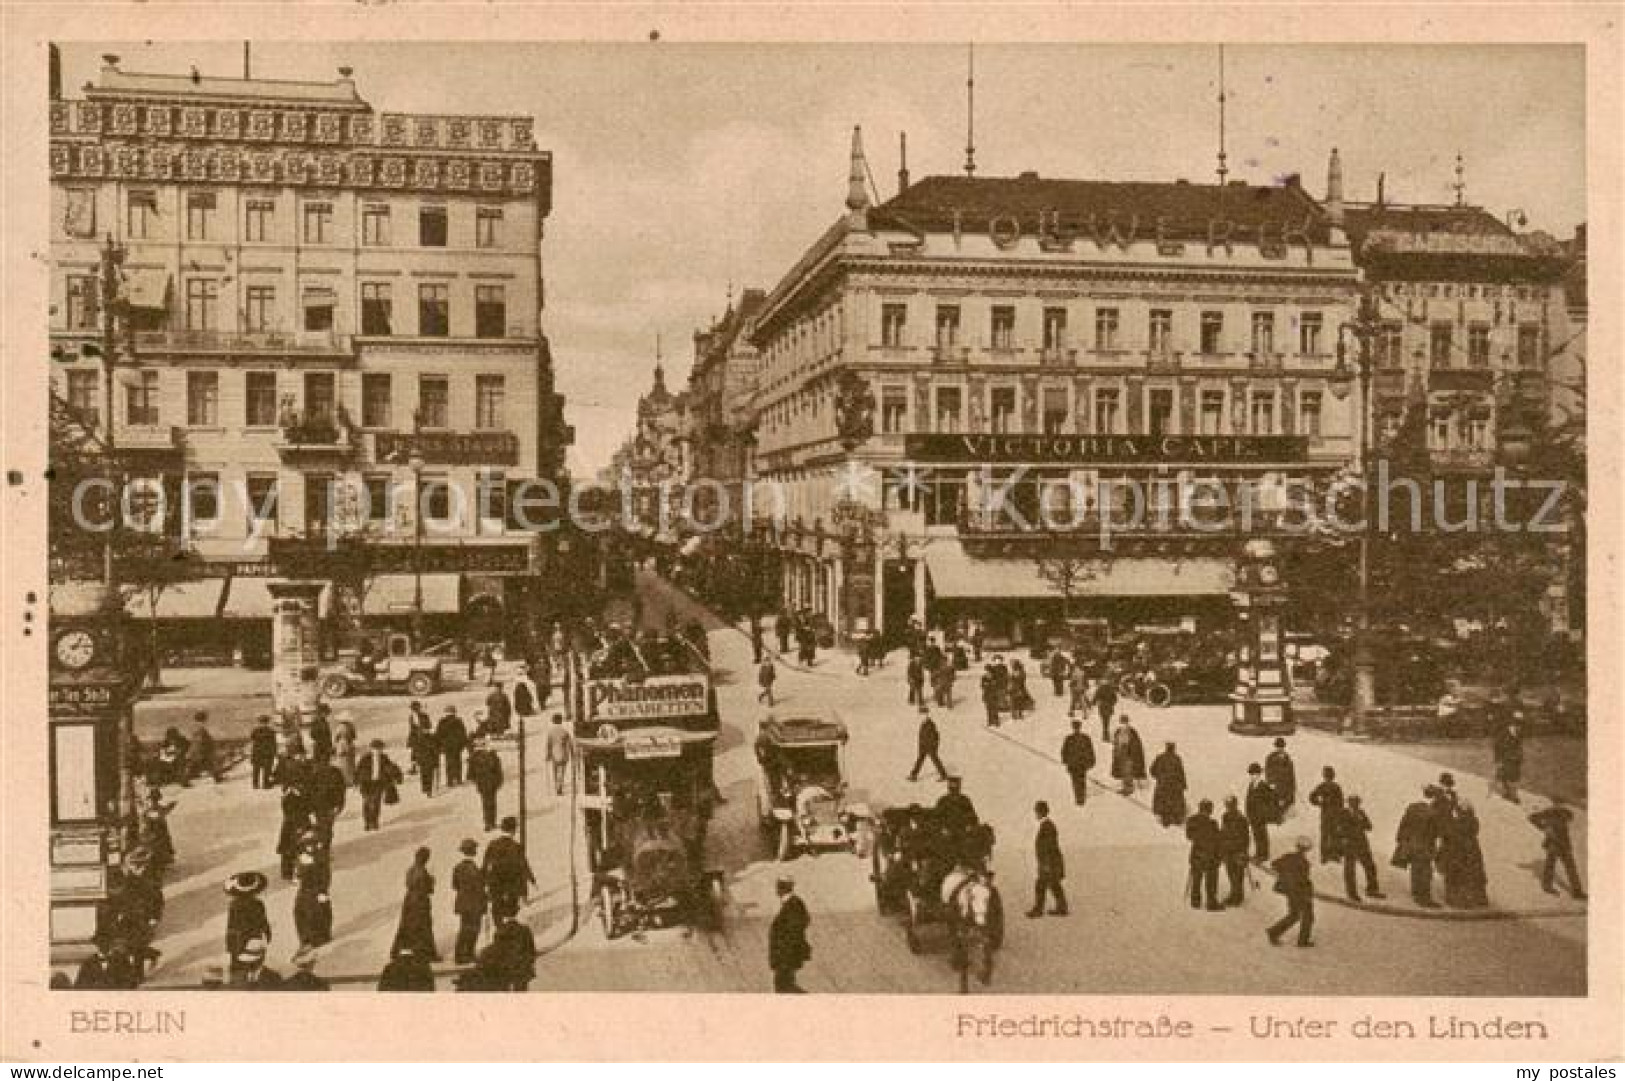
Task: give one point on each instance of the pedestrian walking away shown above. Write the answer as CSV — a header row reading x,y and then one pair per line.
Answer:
x,y
787,945
560,752
451,737
498,710
408,970
245,916
1553,823
425,752
1105,706
507,871
915,677
927,742
1328,796
1168,792
1050,865
1128,757
1416,846
1233,838
1354,844
416,928
765,677
485,774
1507,747
1205,856
469,902
1283,777
1078,757
262,751
1292,881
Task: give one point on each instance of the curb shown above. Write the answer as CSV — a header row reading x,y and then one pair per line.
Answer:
x,y
1381,908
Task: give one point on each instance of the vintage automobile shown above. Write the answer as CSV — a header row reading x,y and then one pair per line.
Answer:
x,y
645,729
399,669
801,789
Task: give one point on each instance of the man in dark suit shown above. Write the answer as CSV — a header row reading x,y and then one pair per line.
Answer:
x,y
1553,823
1051,865
326,792
485,773
1078,756
787,945
1416,846
1292,882
1203,834
1233,835
512,955
468,888
1354,843
1261,811
376,775
926,743
262,751
507,871
451,736
1282,776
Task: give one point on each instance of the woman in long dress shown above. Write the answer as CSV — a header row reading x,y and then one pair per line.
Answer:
x,y
344,749
312,904
1461,858
1168,797
1021,700
1128,757
416,929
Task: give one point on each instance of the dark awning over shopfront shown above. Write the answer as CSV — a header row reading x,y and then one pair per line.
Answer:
x,y
956,575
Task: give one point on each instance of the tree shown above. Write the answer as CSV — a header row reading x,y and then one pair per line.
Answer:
x,y
1069,567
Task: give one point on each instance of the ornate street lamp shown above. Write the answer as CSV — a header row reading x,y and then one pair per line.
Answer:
x,y
1363,328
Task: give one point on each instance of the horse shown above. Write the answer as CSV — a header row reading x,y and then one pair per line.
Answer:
x,y
975,915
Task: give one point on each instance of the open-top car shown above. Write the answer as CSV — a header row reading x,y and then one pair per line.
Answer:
x,y
395,668
801,793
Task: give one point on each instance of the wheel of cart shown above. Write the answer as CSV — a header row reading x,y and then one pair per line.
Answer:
x,y
1158,695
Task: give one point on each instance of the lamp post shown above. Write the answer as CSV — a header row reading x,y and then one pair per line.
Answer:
x,y
1365,326
416,465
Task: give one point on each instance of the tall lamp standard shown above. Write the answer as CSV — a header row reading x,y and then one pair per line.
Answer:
x,y
415,463
1364,328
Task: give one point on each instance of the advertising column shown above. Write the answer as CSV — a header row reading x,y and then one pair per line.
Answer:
x,y
295,663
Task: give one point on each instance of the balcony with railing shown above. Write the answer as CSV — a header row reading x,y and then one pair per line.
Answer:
x,y
261,342
144,434
316,432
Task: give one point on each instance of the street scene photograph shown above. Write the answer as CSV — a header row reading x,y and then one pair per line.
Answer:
x,y
914,519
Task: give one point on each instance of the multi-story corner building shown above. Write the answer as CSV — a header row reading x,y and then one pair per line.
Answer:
x,y
721,387
1042,337
655,462
332,321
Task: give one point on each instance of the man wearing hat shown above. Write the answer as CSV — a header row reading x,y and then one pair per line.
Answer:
x,y
560,751
245,918
507,871
248,969
1078,757
304,977
1282,776
468,890
451,736
787,945
262,751
498,710
927,741
485,773
1292,882
377,777
1261,811
1416,845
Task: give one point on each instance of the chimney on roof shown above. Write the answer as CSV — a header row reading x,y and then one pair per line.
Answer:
x,y
1334,188
55,58
902,162
197,76
1381,178
109,63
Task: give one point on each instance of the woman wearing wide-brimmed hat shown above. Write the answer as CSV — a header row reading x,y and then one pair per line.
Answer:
x,y
245,919
344,752
416,929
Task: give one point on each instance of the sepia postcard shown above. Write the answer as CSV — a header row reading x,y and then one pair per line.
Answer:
x,y
1050,532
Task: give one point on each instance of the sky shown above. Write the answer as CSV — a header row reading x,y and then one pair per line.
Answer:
x,y
682,169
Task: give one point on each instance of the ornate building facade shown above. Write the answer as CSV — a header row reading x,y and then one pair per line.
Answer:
x,y
330,327
982,377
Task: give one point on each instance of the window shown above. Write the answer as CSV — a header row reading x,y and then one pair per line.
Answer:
x,y
947,326
491,492
1056,409
141,399
432,227
318,498
261,492
199,215
320,397
79,213
489,393
950,403
893,325
260,399
435,499
1439,343
1108,409
893,410
83,396
1390,345
1159,413
490,311
1105,329
434,402
1309,414
1054,328
259,219
1529,346
378,497
375,225
1262,418
375,308
202,303
142,221
1475,433
1212,412
434,311
1264,334
375,399
1161,331
1004,327
259,307
1309,328
1478,346
318,223
1212,333
487,227
203,496
203,399
1002,408
318,306
1440,432
84,311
